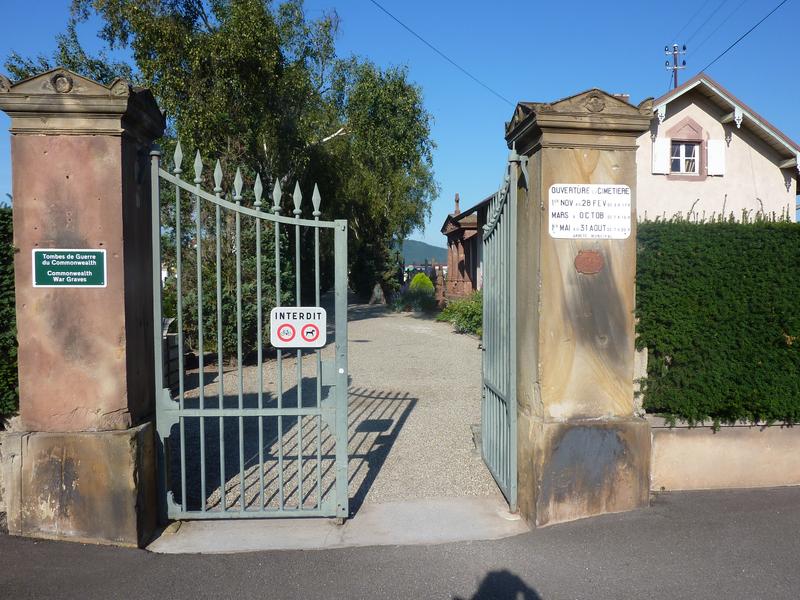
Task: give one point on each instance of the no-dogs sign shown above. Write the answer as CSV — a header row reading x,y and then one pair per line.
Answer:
x,y
298,327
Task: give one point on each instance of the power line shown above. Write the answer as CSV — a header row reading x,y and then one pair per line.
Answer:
x,y
718,27
692,18
708,18
744,35
442,54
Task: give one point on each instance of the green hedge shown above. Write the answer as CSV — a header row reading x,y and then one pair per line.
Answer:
x,y
9,387
466,314
719,311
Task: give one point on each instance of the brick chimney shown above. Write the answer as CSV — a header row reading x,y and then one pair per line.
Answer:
x,y
457,210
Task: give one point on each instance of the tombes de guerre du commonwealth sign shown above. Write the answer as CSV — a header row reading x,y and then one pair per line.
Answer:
x,y
69,268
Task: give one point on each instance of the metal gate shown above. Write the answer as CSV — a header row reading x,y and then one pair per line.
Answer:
x,y
248,431
499,394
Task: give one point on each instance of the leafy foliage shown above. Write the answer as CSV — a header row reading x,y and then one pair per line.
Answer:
x,y
717,310
228,289
466,314
9,387
258,85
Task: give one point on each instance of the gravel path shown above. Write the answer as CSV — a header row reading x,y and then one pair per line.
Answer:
x,y
432,453
414,392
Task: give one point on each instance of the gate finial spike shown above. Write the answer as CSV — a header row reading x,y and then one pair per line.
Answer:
x,y
178,158
276,197
258,190
198,167
237,185
315,200
218,177
298,198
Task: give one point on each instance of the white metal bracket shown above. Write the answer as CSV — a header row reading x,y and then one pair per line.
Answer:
x,y
738,116
661,113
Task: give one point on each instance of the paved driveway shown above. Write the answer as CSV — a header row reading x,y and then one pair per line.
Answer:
x,y
698,545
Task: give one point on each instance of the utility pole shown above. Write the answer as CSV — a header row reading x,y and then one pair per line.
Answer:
x,y
674,67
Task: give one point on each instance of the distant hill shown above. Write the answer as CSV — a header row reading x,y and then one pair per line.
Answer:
x,y
416,253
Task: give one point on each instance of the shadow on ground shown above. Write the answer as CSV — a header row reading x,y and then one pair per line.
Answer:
x,y
503,585
258,457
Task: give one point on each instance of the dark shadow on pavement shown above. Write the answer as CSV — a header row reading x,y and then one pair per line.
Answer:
x,y
229,461
360,312
503,585
376,419
424,316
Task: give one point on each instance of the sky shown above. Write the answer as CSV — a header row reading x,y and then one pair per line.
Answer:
x,y
523,51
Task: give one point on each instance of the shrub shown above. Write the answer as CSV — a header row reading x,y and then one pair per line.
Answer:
x,y
466,315
9,386
422,285
717,310
419,296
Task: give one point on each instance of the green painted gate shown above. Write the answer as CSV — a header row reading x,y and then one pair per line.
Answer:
x,y
499,393
248,431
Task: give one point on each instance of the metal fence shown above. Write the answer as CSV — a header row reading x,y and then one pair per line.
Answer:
x,y
499,395
249,431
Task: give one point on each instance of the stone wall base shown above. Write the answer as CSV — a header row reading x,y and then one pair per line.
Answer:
x,y
96,487
587,467
698,458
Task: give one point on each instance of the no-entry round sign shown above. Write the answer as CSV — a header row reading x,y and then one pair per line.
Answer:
x,y
286,332
310,332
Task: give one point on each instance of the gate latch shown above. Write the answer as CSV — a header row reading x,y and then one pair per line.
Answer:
x,y
328,375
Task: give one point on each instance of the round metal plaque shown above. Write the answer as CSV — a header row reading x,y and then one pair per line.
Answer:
x,y
589,262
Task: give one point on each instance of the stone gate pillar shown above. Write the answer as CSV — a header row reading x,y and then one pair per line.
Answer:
x,y
81,464
581,449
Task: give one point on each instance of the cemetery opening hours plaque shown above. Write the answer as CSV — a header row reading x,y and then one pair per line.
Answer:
x,y
57,267
596,211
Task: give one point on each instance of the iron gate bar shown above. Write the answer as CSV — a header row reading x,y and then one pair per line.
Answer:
x,y
220,369
258,190
316,199
276,210
297,212
332,411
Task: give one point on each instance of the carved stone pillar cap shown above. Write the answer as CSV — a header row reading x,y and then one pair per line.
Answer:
x,y
592,111
60,102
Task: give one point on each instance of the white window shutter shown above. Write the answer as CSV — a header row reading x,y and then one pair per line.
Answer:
x,y
716,157
661,151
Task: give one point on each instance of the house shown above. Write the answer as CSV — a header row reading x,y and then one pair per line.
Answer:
x,y
706,155
709,154
464,232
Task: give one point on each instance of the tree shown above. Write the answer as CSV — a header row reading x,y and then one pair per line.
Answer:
x,y
259,86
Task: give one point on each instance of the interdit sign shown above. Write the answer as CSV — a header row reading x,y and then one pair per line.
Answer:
x,y
590,211
298,327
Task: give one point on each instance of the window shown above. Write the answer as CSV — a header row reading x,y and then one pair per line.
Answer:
x,y
684,158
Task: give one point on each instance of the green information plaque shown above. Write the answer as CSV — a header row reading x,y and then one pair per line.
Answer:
x,y
56,267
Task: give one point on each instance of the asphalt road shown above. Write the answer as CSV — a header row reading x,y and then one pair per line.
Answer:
x,y
714,545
